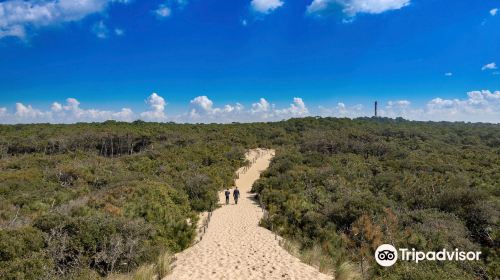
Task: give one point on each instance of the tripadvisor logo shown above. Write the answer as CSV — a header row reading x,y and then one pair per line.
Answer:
x,y
387,255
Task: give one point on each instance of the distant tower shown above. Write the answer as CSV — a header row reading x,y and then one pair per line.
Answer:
x,y
376,104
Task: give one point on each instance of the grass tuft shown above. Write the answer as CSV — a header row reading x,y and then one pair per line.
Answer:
x,y
347,271
164,264
145,272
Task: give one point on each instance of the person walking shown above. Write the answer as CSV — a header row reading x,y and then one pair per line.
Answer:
x,y
236,195
227,193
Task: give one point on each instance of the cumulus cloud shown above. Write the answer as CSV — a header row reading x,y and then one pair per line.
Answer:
x,y
297,109
72,112
157,108
481,105
201,105
56,107
489,66
494,12
202,109
68,113
353,7
263,109
477,106
28,112
266,6
18,17
267,111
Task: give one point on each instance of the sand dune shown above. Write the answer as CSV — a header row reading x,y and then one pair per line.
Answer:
x,y
235,247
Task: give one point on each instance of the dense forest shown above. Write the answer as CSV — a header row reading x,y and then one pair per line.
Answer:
x,y
84,201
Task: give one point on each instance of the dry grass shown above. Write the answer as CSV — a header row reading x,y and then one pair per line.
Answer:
x,y
291,247
347,271
145,272
158,270
118,277
316,257
164,264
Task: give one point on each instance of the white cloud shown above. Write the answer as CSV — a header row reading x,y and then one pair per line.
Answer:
x,y
342,111
18,17
100,30
399,108
201,105
72,112
202,109
126,114
267,111
56,107
68,113
494,12
398,104
119,32
297,109
353,7
28,112
489,66
318,5
157,108
481,106
266,6
163,11
448,74
263,109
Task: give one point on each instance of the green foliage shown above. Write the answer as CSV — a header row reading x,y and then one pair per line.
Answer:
x,y
347,186
19,242
87,200
32,266
87,194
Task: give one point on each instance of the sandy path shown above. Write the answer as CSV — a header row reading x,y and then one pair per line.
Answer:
x,y
235,247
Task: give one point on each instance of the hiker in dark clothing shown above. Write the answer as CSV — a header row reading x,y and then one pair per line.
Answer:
x,y
236,195
227,193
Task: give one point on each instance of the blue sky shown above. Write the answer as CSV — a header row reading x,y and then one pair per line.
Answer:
x,y
248,60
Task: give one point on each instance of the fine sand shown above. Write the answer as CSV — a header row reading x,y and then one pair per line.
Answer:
x,y
235,247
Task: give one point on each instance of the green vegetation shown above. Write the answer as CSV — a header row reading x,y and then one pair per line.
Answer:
x,y
349,186
88,201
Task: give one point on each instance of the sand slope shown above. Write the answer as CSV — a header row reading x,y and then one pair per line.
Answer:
x,y
235,247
